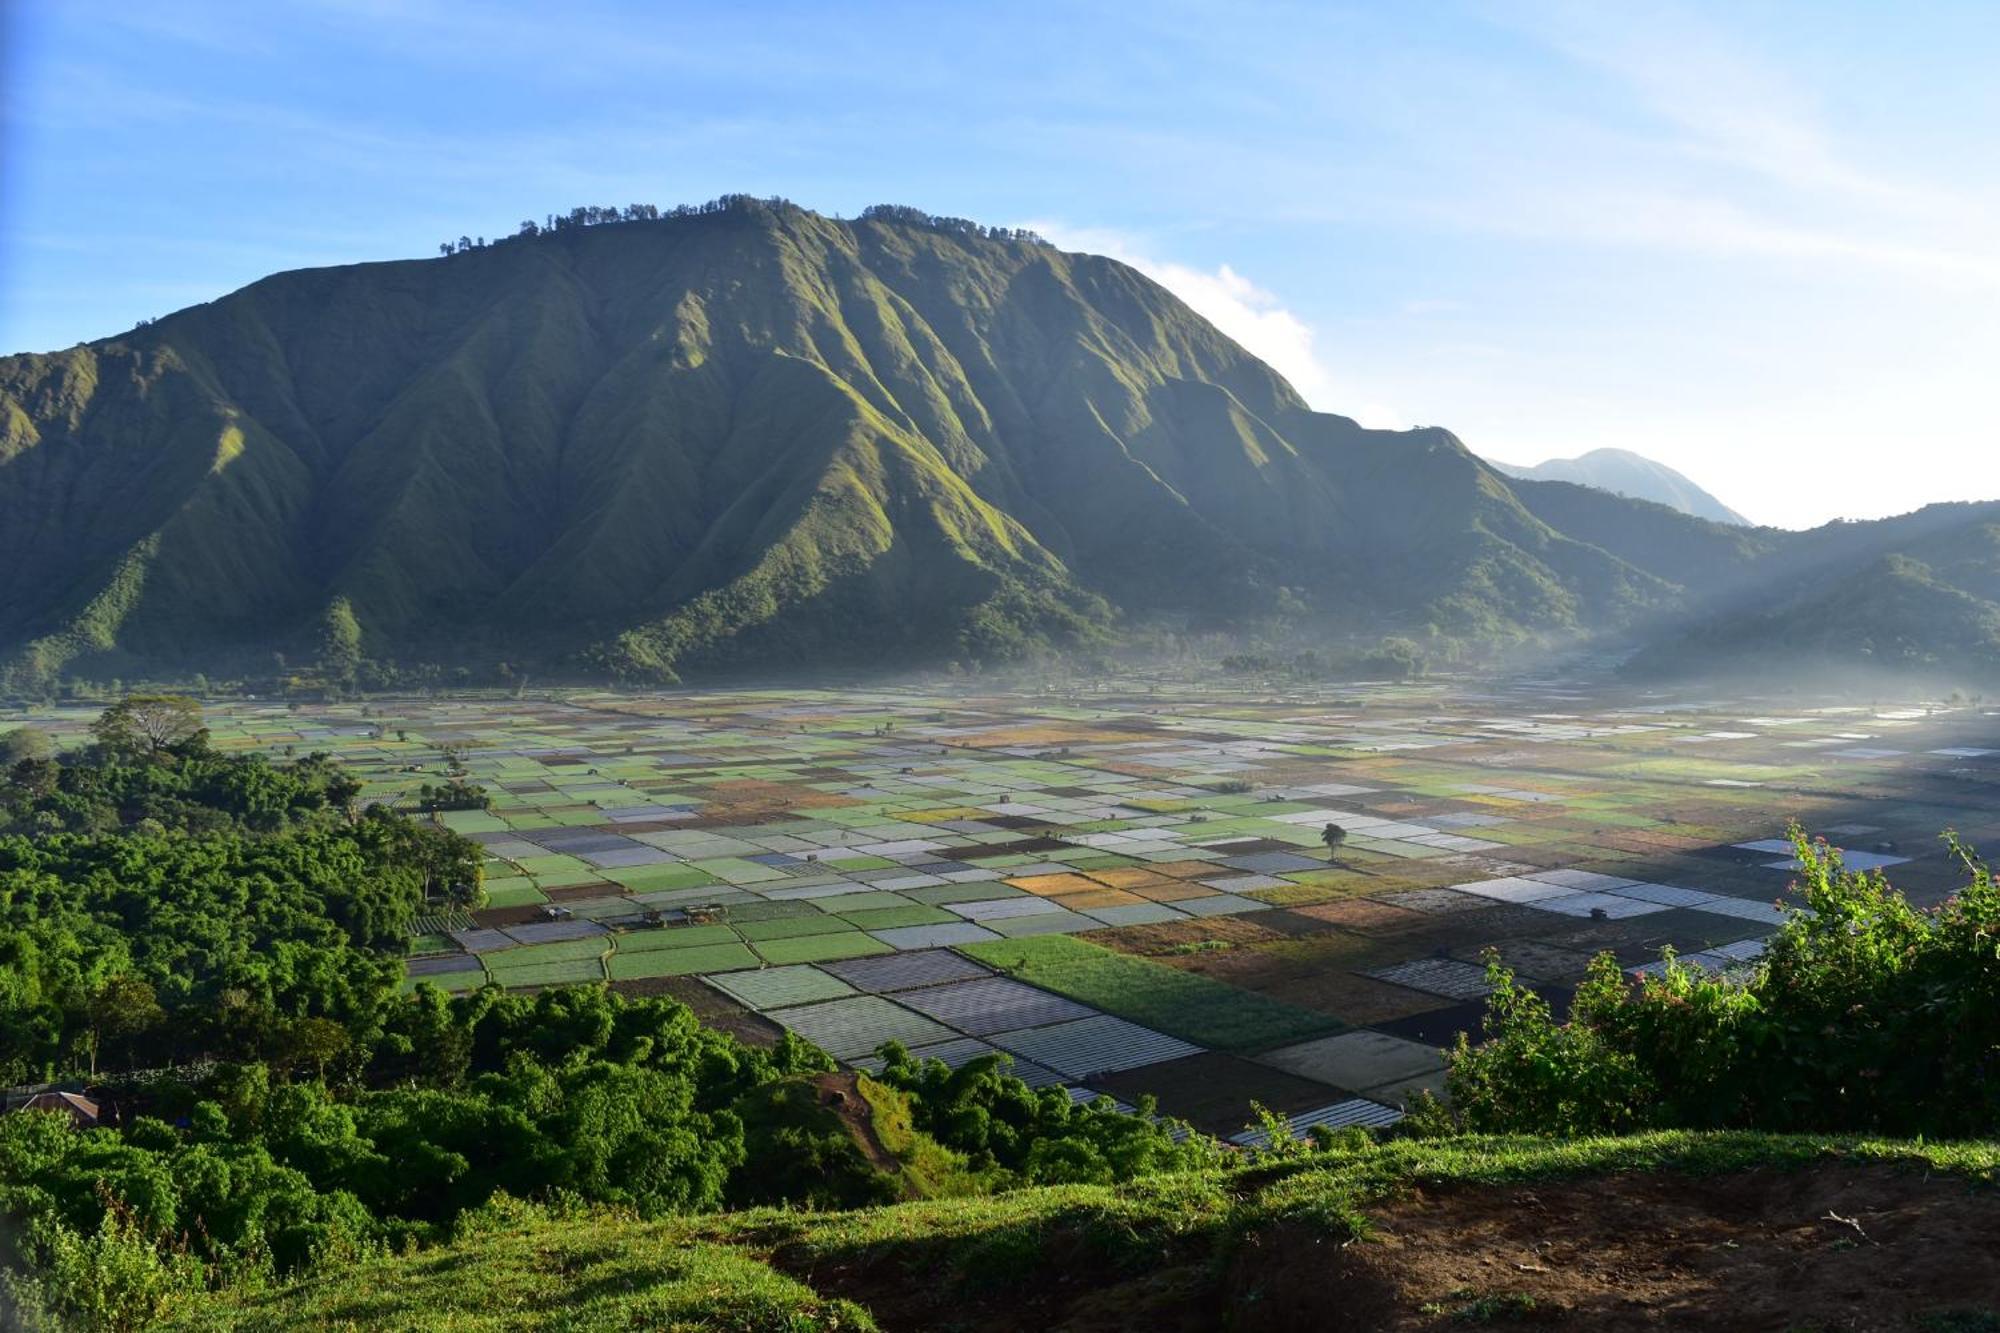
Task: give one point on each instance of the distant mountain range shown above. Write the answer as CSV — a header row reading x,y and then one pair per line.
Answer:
x,y
748,435
1623,472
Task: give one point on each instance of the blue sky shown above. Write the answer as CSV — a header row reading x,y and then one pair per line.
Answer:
x,y
1754,241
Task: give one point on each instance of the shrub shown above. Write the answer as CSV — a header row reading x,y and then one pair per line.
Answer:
x,y
1867,1014
115,1278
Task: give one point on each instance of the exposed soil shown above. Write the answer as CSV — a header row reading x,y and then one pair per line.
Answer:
x,y
500,917
1290,924
1213,1091
840,1093
1368,917
1166,936
1051,735
1829,1248
710,1006
1316,970
1837,1247
576,893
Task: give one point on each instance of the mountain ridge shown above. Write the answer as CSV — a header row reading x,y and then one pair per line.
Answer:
x,y
748,436
1632,475
667,437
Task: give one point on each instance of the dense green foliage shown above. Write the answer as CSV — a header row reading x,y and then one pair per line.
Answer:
x,y
846,1141
242,1173
152,770
234,936
1866,1015
1393,658
218,941
22,743
453,794
571,1091
160,901
1037,1135
571,1094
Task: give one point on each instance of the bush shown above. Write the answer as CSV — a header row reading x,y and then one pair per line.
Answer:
x,y
1867,1014
1038,1135
115,1278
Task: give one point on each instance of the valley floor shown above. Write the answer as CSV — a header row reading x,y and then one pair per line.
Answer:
x,y
1123,885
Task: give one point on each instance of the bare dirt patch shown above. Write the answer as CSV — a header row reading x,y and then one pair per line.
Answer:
x,y
573,893
840,1093
502,917
1213,1091
1368,916
1168,937
710,1006
1836,1247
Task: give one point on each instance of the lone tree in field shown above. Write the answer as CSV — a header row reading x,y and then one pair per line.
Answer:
x,y
143,726
340,642
1333,835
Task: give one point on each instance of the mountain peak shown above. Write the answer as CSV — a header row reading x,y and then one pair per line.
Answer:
x,y
683,443
644,441
1623,472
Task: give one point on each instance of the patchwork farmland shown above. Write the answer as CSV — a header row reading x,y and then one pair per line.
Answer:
x,y
1128,888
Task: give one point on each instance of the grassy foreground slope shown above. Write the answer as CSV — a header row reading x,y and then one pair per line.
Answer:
x,y
1722,1230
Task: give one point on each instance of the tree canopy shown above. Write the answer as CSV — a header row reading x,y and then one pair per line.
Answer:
x,y
148,725
219,940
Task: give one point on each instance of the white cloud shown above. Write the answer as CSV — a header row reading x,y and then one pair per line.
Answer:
x,y
1247,313
1730,105
1734,159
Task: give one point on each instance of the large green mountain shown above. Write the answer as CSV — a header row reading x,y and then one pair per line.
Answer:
x,y
750,434
754,433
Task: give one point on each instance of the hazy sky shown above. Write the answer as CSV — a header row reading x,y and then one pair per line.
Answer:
x,y
1755,241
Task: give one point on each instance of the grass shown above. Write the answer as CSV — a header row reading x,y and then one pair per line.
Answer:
x,y
890,918
929,1169
446,981
1151,1248
659,878
681,962
576,971
821,948
518,891
536,955
788,927
1179,1003
674,937
533,1274
1468,1307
